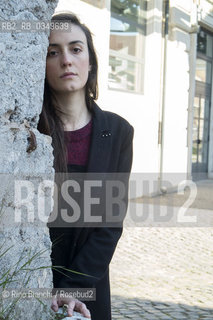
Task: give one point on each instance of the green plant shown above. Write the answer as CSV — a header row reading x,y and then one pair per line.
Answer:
x,y
11,276
18,275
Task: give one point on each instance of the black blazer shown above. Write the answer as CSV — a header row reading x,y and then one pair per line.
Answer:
x,y
90,250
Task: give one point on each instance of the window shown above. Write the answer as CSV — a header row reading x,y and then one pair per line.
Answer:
x,y
203,71
204,57
127,35
202,102
205,44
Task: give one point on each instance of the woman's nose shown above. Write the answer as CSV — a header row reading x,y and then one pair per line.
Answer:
x,y
66,59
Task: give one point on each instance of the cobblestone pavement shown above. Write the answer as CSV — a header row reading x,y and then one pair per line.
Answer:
x,y
163,273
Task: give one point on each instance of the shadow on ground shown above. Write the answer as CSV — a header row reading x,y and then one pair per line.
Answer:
x,y
136,309
203,199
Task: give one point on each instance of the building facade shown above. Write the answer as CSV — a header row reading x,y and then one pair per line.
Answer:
x,y
155,69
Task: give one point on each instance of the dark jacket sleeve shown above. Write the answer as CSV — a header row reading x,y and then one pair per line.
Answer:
x,y
95,255
125,158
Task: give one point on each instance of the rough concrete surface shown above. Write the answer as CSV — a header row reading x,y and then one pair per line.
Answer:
x,y
24,245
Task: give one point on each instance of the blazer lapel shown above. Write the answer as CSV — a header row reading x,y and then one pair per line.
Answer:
x,y
100,142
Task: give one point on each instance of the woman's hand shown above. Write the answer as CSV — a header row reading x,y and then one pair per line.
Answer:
x,y
73,305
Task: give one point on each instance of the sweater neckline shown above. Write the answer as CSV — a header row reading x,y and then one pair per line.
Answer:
x,y
79,133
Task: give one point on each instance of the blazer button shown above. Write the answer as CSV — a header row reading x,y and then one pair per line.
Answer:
x,y
105,134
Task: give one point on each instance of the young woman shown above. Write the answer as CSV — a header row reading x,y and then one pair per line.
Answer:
x,y
84,139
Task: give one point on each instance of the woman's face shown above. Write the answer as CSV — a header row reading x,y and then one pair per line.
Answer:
x,y
67,65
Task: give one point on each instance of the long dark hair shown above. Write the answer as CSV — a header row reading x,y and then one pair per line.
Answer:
x,y
50,122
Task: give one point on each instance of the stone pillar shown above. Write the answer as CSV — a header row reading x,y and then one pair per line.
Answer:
x,y
25,155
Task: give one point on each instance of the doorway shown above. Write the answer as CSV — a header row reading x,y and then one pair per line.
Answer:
x,y
202,104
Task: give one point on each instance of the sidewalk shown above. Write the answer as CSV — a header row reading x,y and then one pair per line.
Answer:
x,y
203,200
165,273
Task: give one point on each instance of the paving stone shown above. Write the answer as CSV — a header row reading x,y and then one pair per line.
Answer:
x,y
163,273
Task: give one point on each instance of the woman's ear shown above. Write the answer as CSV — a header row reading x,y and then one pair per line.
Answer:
x,y
90,67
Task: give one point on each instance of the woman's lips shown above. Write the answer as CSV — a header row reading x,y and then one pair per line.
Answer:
x,y
68,75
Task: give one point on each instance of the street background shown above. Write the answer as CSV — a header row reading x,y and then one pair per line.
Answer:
x,y
165,273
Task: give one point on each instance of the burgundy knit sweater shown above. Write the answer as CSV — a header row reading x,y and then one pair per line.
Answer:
x,y
78,146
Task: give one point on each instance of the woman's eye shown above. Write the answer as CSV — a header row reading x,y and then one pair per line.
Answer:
x,y
77,50
52,53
